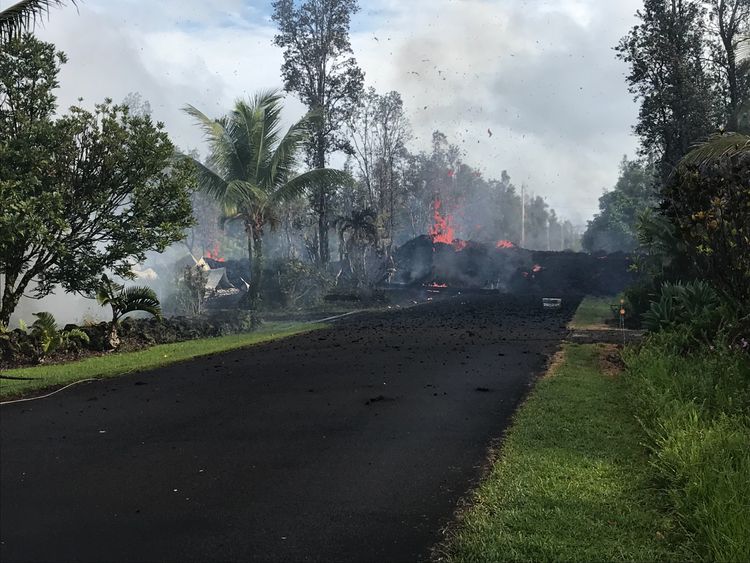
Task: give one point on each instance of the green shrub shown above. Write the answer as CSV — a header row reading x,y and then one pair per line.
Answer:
x,y
293,283
695,410
696,314
708,201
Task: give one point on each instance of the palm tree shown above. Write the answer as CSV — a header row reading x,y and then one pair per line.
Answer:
x,y
251,169
124,301
357,232
23,15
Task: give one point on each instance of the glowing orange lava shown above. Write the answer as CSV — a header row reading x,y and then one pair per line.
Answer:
x,y
504,244
442,230
214,254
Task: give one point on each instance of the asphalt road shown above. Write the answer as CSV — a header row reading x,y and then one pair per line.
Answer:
x,y
353,444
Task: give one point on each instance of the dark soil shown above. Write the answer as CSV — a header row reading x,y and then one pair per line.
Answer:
x,y
353,443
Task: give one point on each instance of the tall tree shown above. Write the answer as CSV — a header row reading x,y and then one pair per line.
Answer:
x,y
379,130
251,169
665,52
729,20
320,68
22,16
82,193
615,227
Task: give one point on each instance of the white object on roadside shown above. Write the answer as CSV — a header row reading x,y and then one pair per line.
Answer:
x,y
551,302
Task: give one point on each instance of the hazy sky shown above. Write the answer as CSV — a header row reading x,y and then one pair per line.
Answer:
x,y
540,74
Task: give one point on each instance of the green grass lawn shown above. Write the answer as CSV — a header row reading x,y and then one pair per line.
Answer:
x,y
48,376
594,312
571,482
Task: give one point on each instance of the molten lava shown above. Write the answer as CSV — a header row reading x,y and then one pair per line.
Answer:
x,y
442,228
214,254
504,244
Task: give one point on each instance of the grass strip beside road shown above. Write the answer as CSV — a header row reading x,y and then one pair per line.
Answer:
x,y
594,312
110,365
571,482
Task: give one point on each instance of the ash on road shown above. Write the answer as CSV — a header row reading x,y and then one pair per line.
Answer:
x,y
353,443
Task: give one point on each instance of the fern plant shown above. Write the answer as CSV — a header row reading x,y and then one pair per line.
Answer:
x,y
50,338
124,300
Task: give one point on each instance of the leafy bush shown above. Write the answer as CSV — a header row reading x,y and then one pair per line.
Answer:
x,y
294,283
124,300
695,313
695,409
190,297
40,340
50,339
708,201
694,308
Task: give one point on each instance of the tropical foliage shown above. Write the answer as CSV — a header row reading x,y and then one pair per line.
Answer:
x,y
22,15
124,300
708,201
319,67
83,192
252,169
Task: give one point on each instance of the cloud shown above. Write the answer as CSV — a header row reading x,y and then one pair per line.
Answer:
x,y
540,74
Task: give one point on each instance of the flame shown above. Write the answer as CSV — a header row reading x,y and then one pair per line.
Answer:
x,y
537,268
214,254
504,244
442,230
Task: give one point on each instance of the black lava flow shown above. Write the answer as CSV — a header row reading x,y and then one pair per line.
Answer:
x,y
354,443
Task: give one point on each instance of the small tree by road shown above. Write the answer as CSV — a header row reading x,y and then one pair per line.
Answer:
x,y
82,193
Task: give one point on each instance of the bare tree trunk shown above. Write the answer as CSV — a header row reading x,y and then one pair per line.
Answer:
x,y
256,281
247,300
10,299
322,203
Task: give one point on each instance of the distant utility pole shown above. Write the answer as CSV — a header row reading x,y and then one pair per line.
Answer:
x,y
523,215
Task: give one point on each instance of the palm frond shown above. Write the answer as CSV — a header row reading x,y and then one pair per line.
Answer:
x,y
243,191
228,216
22,16
743,49
225,157
255,127
45,323
107,291
718,147
284,159
321,177
140,298
210,182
